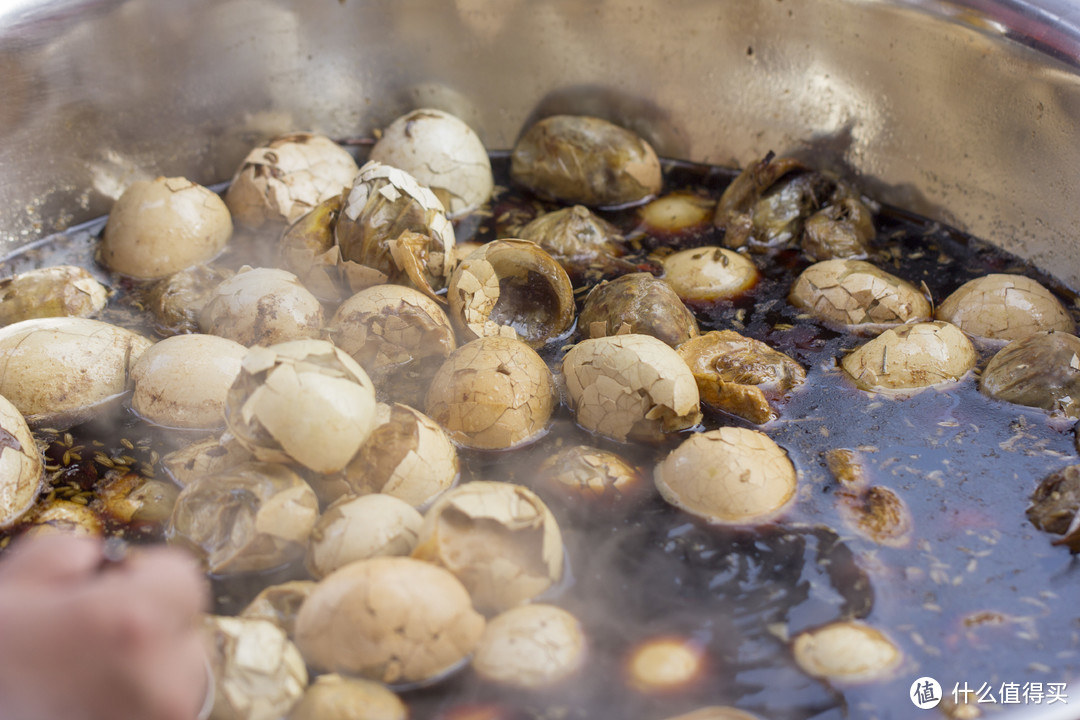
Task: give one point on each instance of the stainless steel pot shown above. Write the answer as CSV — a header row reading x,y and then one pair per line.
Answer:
x,y
968,112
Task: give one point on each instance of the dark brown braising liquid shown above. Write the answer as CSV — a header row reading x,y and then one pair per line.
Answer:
x,y
977,595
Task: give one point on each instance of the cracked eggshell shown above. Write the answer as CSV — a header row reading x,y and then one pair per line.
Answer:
x,y
493,393
853,292
1040,370
182,381
279,604
911,357
511,288
442,152
847,652
584,478
358,528
160,226
407,456
307,249
1004,307
252,517
57,291
730,476
843,229
640,304
630,387
707,274
499,539
530,647
21,466
337,697
258,673
587,246
400,337
261,306
287,177
60,372
304,401
177,300
203,457
393,229
585,160
390,619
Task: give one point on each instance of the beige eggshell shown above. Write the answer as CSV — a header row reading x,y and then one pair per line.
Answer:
x,y
160,226
707,274
279,604
337,697
493,393
853,292
62,371
499,539
21,466
630,387
665,664
261,306
203,457
63,517
258,673
398,335
56,291
849,652
391,619
358,528
287,177
407,456
530,647
304,401
1004,307
182,381
911,357
728,476
442,152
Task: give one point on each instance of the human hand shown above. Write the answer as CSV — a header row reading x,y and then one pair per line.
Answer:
x,y
81,639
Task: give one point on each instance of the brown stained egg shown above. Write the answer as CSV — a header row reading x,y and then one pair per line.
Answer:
x,y
852,292
443,153
1040,370
911,357
407,456
398,335
877,514
203,457
1004,307
252,517
584,477
393,229
585,160
261,306
291,174
258,673
678,213
57,291
21,466
390,619
158,227
846,652
630,388
1054,506
729,476
716,712
587,246
666,664
304,401
499,539
308,250
60,372
843,229
177,300
707,274
279,604
492,394
358,528
129,498
63,517
511,288
740,375
530,647
847,467
338,697
182,381
639,304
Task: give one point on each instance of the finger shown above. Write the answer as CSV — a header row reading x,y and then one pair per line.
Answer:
x,y
51,558
168,579
172,679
